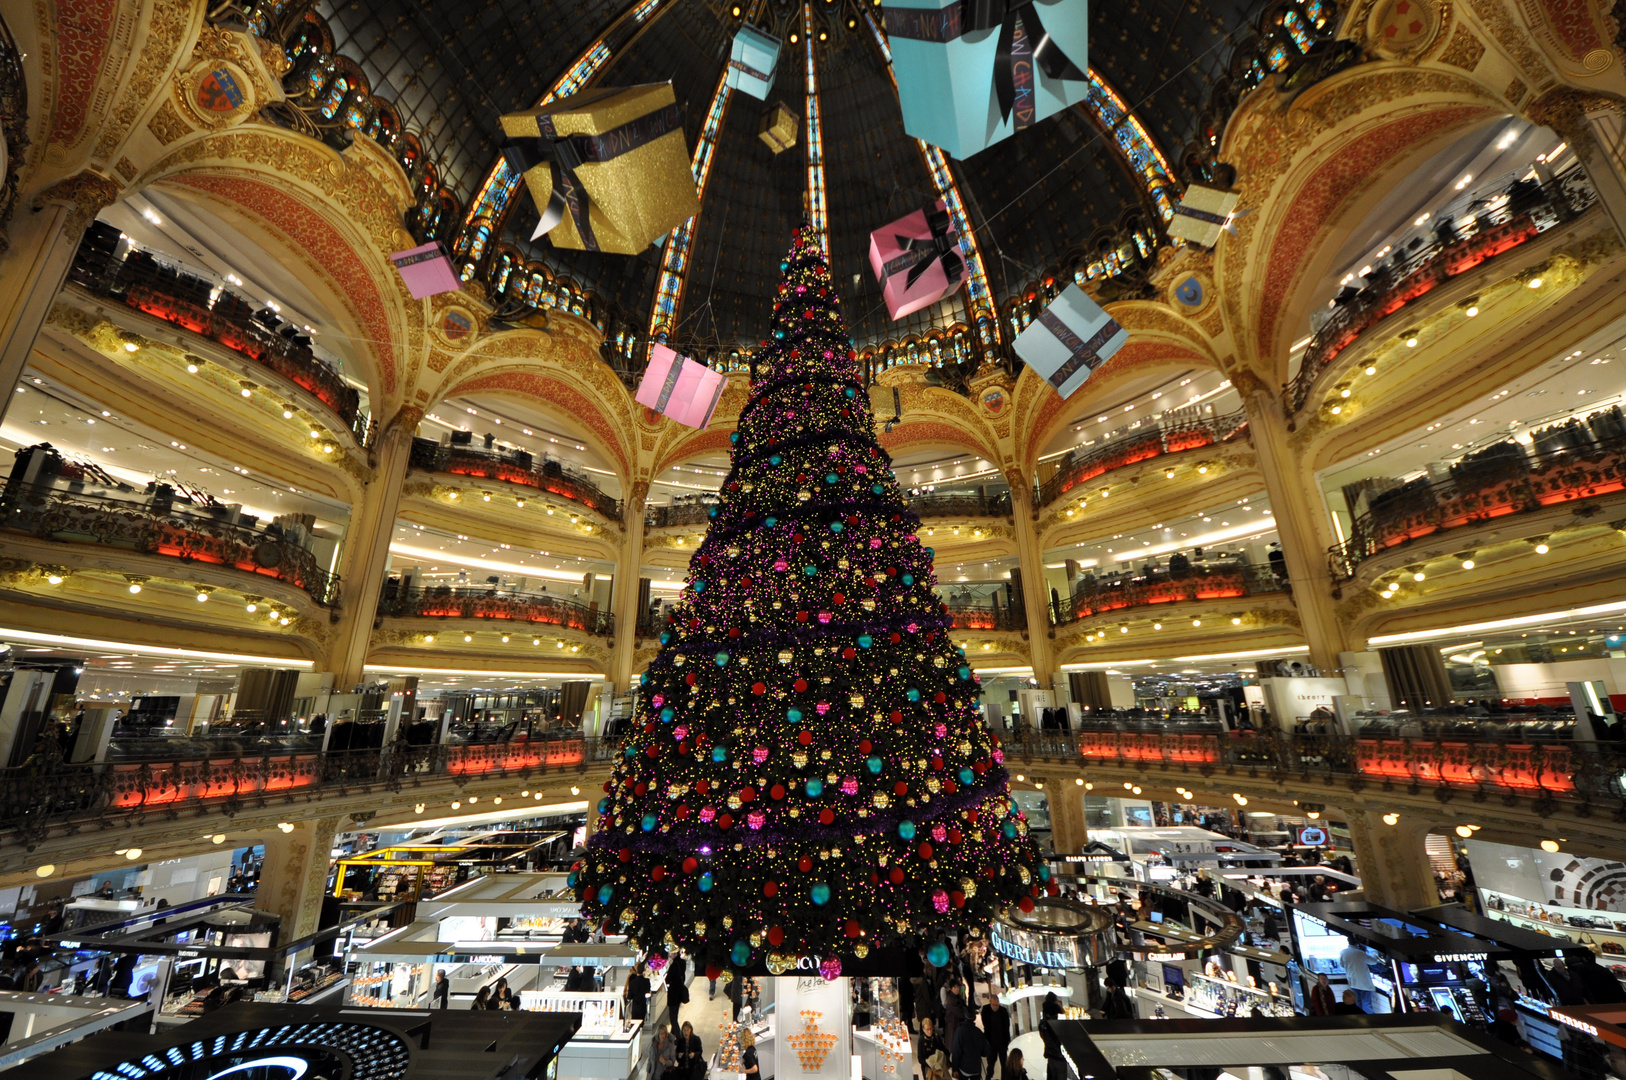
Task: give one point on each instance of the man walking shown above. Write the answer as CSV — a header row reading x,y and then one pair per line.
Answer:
x,y
996,1028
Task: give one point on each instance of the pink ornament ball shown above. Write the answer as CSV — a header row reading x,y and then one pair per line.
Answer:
x,y
830,968
940,901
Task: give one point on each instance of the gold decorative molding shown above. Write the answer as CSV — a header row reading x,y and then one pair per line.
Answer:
x,y
86,194
166,124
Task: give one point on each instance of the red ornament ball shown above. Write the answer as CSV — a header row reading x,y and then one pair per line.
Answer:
x,y
804,864
776,934
897,875
853,929
625,854
691,864
827,816
805,738
777,791
925,850
1026,903
702,786
759,689
657,872
800,686
957,898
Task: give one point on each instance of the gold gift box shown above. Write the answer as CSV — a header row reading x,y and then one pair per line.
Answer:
x,y
779,128
634,198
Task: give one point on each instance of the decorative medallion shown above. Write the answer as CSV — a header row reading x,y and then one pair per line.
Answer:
x,y
455,325
994,400
1403,27
1190,293
217,92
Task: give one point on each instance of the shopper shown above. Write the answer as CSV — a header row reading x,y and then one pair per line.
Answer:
x,y
1597,983
636,994
482,998
443,991
906,987
954,1012
1051,1008
1013,1067
748,1054
663,1053
1322,1000
506,1001
971,1050
691,1056
1350,1006
1355,961
677,988
996,1025
931,1054
1118,1006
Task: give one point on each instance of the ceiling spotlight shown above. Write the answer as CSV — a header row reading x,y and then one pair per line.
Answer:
x,y
456,805
135,586
130,346
735,11
285,826
1473,309
191,369
417,808
287,414
218,838
1390,819
1535,283
1241,800
794,38
45,871
1550,846
1417,576
1464,832
1079,782
1541,549
54,579
1467,564
133,854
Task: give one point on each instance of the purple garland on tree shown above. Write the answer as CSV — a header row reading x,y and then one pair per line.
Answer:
x,y
807,775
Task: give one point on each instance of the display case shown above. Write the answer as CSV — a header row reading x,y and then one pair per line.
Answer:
x,y
391,985
1223,998
605,1045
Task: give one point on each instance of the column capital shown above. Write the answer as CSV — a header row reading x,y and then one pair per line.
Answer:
x,y
85,194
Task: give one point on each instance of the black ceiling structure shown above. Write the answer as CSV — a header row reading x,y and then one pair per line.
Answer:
x,y
454,66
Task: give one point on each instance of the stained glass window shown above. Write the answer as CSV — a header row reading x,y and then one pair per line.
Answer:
x,y
675,257
815,141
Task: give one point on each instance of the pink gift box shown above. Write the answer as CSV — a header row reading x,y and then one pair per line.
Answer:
x,y
917,260
426,270
680,388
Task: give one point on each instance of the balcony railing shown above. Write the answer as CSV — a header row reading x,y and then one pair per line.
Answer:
x,y
1576,772
961,504
514,467
185,300
990,616
1103,597
496,605
687,513
46,792
1497,225
1504,479
1134,447
153,528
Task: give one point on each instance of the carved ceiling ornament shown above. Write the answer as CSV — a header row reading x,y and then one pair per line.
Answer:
x,y
168,25
1404,28
1579,34
85,194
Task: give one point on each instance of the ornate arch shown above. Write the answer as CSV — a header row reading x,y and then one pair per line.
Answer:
x,y
1310,171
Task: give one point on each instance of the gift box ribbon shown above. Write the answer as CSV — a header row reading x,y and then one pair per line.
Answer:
x,y
566,153
1084,353
919,253
970,16
750,72
1201,215
421,257
670,384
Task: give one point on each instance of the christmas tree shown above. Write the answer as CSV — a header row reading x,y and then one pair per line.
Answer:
x,y
807,775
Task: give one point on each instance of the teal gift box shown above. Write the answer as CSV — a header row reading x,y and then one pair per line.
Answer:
x,y
753,61
973,72
1070,339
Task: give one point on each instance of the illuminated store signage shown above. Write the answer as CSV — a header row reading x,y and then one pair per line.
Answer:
x,y
1040,950
1574,1022
1459,957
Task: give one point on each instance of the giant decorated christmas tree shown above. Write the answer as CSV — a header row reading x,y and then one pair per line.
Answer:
x,y
807,775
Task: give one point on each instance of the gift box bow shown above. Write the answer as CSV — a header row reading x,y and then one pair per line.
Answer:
x,y
920,252
564,154
974,16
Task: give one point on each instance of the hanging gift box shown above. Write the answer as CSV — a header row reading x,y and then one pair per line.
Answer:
x,y
426,270
680,388
608,168
753,61
973,72
1069,340
779,128
1202,214
917,260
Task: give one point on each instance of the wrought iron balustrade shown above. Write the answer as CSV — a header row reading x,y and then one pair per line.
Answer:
x,y
987,616
1105,596
45,792
1480,491
1584,773
151,528
514,467
691,513
190,302
1492,227
494,604
1134,447
961,504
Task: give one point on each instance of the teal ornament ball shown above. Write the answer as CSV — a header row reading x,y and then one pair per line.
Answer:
x,y
851,393
815,787
699,585
906,829
705,883
830,478
722,659
719,754
603,805
908,579
1044,872
811,571
770,522
966,776
775,459
793,715
574,879
734,437
937,955
819,893
931,553
877,488
605,893
740,954
874,765
913,694
836,526
865,641
649,822
965,672
1010,830
668,713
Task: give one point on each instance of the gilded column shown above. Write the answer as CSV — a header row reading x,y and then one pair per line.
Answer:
x,y
33,268
1035,594
625,600
1391,860
293,878
1068,833
1296,506
366,552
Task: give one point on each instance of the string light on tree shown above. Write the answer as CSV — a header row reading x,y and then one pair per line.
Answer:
x,y
807,778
